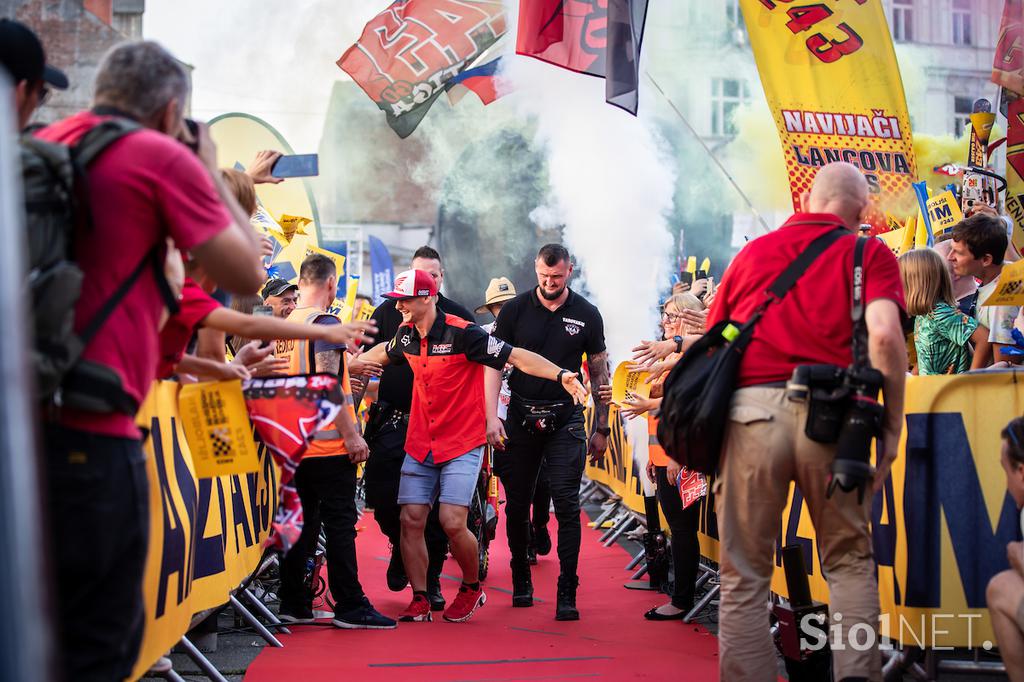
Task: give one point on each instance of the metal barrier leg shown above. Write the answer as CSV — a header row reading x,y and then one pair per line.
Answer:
x,y
255,623
173,676
640,573
626,525
608,513
616,522
202,661
265,612
702,604
637,560
707,575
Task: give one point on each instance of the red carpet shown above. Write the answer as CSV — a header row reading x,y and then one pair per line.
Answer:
x,y
611,641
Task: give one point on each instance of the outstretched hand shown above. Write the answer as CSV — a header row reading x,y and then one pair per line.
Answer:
x,y
573,387
260,170
353,333
649,352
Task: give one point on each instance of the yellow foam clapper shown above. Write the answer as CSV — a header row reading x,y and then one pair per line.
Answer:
x,y
691,265
217,429
628,383
730,332
705,266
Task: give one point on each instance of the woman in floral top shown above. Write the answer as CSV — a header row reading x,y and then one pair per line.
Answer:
x,y
941,331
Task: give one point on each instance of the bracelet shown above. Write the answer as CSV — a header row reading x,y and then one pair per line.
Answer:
x,y
558,377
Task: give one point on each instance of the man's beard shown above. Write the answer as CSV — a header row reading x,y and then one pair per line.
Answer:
x,y
551,297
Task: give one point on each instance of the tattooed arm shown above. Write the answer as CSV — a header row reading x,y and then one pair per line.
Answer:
x,y
330,362
599,376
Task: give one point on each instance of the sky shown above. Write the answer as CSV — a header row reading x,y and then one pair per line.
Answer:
x,y
238,49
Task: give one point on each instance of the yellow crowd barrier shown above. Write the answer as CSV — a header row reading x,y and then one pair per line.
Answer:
x,y
940,525
205,535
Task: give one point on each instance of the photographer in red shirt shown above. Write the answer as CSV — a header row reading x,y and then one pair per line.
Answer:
x,y
766,446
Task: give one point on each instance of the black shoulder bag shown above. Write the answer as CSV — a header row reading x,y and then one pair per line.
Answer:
x,y
698,391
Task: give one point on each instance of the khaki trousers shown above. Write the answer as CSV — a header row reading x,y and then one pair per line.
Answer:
x,y
766,449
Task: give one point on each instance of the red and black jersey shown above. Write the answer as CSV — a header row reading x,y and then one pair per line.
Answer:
x,y
447,417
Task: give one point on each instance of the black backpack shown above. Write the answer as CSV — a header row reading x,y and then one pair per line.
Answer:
x,y
55,184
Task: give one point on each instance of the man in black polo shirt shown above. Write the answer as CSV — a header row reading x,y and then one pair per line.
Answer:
x,y
386,433
542,425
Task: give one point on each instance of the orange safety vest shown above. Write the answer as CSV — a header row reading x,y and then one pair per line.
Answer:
x,y
655,452
327,441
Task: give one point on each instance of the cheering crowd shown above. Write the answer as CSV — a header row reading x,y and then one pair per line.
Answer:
x,y
167,229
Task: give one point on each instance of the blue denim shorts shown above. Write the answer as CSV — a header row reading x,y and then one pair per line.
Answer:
x,y
455,480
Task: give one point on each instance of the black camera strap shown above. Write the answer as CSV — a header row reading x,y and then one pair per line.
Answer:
x,y
860,327
785,281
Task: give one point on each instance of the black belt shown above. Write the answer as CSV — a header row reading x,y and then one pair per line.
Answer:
x,y
770,384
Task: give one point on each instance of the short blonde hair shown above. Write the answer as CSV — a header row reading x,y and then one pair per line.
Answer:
x,y
926,281
242,186
686,301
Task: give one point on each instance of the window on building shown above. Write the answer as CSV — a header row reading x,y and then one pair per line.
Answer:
x,y
962,107
903,20
962,22
727,94
736,29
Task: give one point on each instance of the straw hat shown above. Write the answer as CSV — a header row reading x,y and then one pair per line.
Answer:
x,y
499,290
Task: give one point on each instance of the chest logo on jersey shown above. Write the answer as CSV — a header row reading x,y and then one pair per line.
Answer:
x,y
573,327
406,340
441,349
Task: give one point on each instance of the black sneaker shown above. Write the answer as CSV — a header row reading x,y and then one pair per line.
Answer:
x,y
531,555
364,617
522,586
434,595
298,615
396,571
542,540
565,606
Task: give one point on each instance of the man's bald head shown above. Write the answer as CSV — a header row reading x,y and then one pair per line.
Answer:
x,y
839,188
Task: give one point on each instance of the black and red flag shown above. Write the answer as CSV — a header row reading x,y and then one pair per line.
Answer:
x,y
596,37
408,53
287,412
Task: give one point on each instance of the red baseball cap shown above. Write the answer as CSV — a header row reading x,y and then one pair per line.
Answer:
x,y
413,284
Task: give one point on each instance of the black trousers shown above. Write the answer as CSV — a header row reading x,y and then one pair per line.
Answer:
x,y
382,476
327,490
682,523
98,513
541,514
564,454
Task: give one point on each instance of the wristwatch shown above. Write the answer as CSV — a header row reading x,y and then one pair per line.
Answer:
x,y
679,343
558,377
603,430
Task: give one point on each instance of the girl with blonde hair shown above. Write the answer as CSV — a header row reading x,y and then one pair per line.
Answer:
x,y
941,331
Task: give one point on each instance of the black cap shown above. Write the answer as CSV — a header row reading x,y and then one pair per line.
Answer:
x,y
21,53
276,287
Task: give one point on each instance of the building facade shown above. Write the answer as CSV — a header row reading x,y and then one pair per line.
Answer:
x,y
76,35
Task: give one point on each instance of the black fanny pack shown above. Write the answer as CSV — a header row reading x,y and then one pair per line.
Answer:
x,y
540,417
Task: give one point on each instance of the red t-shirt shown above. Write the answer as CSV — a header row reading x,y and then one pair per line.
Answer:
x,y
812,324
143,188
194,306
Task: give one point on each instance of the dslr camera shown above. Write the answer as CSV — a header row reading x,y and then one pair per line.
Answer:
x,y
842,409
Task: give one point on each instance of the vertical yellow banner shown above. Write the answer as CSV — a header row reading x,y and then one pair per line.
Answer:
x,y
830,75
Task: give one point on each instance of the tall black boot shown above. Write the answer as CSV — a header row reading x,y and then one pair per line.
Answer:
x,y
522,585
565,606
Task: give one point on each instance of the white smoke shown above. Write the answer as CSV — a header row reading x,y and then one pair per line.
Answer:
x,y
275,60
611,187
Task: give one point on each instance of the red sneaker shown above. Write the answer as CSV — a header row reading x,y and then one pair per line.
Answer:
x,y
466,602
418,610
